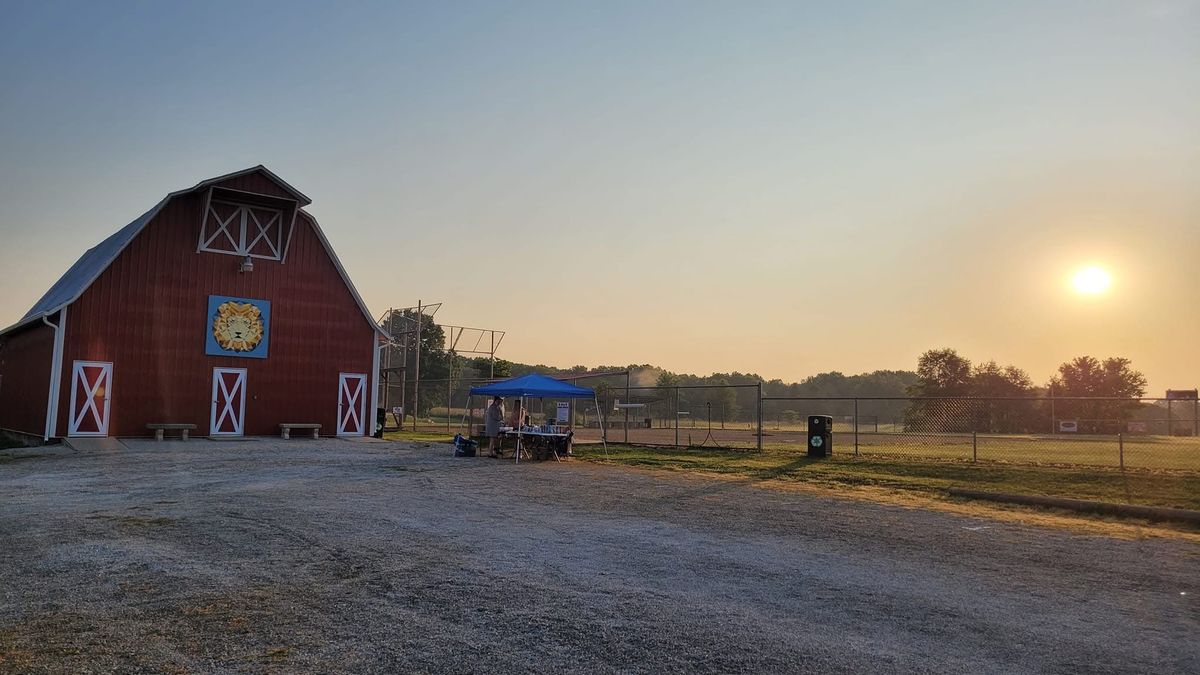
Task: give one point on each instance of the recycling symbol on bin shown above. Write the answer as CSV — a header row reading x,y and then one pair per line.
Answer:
x,y
816,441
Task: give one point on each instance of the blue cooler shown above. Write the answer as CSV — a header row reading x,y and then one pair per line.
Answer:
x,y
465,447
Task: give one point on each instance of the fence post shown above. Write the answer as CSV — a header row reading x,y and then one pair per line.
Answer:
x,y
974,430
417,366
677,417
760,416
1121,449
627,409
1053,421
856,427
572,401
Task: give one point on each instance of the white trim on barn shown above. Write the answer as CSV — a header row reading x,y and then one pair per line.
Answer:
x,y
100,386
241,217
56,358
223,397
352,404
377,347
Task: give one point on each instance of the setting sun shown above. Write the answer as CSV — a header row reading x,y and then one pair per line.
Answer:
x,y
1092,280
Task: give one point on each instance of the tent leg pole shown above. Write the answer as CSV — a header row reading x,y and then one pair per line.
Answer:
x,y
600,418
463,421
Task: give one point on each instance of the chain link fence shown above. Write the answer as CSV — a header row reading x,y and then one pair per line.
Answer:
x,y
1146,433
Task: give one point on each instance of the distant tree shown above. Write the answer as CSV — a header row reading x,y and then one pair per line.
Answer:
x,y
997,386
435,360
664,391
941,373
872,388
991,379
605,399
501,368
724,401
1087,376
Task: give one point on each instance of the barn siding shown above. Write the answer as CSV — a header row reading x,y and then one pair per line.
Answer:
x,y
147,314
25,357
257,183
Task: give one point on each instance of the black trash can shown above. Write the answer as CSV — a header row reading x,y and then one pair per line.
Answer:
x,y
820,435
380,420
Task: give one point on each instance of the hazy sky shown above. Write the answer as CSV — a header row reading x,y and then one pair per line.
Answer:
x,y
784,188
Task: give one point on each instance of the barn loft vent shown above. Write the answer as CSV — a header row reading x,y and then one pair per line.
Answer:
x,y
246,225
243,230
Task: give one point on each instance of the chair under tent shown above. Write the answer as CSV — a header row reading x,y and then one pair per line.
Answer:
x,y
535,386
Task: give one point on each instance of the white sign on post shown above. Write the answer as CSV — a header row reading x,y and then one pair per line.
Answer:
x,y
564,412
1068,426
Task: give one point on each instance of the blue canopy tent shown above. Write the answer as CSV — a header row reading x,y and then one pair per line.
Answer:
x,y
540,386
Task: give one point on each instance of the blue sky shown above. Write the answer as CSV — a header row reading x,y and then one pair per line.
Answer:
x,y
680,183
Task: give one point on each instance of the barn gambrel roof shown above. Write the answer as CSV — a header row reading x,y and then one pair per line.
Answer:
x,y
92,263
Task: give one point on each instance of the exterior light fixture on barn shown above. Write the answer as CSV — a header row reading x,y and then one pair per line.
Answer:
x,y
223,306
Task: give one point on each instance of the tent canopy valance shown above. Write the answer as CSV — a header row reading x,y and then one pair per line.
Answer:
x,y
533,386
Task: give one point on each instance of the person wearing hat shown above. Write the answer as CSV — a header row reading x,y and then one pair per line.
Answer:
x,y
492,419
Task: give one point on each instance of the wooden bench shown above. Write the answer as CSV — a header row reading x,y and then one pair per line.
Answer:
x,y
183,430
286,429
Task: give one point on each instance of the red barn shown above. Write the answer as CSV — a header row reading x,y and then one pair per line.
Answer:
x,y
223,306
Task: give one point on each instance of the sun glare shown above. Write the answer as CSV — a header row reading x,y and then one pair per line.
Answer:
x,y
1092,280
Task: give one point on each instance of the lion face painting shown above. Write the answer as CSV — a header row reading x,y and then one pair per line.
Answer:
x,y
237,327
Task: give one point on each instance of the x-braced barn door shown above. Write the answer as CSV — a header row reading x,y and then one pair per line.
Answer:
x,y
91,393
352,401
228,401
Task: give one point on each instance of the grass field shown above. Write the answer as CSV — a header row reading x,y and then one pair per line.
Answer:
x,y
1131,451
423,435
1148,452
928,473
1133,486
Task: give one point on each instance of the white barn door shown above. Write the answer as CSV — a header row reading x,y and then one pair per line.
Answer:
x,y
228,402
91,394
352,404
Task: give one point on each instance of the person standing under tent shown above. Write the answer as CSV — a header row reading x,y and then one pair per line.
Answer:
x,y
518,415
492,419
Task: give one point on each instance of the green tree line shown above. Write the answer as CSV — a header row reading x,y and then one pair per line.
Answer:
x,y
943,394
954,395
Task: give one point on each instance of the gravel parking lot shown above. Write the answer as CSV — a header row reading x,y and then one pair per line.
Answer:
x,y
329,556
